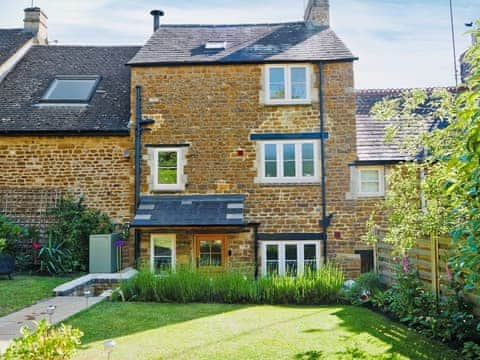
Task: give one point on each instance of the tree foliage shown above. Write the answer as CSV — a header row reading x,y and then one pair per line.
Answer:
x,y
446,200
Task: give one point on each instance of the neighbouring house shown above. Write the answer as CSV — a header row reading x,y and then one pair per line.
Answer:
x,y
64,126
224,146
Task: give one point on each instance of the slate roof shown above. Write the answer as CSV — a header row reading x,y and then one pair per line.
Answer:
x,y
190,210
371,145
256,43
11,40
108,110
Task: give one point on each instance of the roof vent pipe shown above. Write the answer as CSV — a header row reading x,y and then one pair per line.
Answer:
x,y
156,18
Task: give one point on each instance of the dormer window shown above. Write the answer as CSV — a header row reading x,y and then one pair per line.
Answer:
x,y
215,45
71,89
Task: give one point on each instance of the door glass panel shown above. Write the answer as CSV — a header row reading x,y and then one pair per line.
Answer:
x,y
291,260
210,253
310,258
272,260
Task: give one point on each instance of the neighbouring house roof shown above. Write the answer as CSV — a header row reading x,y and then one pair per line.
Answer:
x,y
11,40
371,144
190,210
255,43
107,112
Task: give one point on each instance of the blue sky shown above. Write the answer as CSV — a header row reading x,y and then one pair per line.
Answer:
x,y
400,43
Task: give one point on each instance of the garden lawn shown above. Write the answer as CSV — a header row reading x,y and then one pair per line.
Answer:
x,y
209,331
24,291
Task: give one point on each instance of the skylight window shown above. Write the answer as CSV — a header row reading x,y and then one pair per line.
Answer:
x,y
71,89
215,45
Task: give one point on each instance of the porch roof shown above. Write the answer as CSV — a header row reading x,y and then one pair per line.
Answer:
x,y
190,210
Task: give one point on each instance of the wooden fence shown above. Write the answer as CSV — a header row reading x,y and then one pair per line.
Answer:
x,y
430,257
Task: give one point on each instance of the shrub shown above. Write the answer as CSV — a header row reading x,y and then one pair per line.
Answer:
x,y
187,285
449,318
364,289
73,223
45,343
10,233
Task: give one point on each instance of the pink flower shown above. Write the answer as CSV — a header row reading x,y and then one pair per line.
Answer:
x,y
37,246
406,264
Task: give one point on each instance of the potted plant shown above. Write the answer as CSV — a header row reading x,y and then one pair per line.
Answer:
x,y
7,259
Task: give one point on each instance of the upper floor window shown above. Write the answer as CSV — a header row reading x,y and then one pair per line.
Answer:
x,y
168,169
71,89
289,161
288,84
371,181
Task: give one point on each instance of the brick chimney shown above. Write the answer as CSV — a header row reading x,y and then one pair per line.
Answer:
x,y
318,13
35,22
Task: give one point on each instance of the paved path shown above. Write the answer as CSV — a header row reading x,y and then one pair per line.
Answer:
x,y
65,307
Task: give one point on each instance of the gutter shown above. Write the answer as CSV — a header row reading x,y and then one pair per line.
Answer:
x,y
92,133
243,62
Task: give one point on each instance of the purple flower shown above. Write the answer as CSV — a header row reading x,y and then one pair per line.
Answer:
x,y
119,243
406,264
449,273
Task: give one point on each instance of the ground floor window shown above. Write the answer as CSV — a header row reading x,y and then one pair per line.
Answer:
x,y
211,250
289,257
162,253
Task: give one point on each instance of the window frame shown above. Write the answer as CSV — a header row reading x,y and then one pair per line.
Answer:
x,y
180,184
51,87
211,237
380,178
287,68
152,250
281,255
298,178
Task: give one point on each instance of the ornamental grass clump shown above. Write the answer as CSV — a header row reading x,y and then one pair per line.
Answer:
x,y
230,287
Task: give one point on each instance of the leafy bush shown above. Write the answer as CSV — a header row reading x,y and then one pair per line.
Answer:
x,y
187,285
364,289
45,343
56,259
73,223
471,351
449,319
10,233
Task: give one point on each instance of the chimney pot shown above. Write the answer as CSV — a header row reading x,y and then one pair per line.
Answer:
x,y
317,13
35,22
157,14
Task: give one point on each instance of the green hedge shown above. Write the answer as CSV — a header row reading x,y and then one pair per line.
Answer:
x,y
187,286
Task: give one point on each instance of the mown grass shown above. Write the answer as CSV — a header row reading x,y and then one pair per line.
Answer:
x,y
24,291
218,331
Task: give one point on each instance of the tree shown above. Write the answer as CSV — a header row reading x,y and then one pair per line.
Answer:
x,y
447,199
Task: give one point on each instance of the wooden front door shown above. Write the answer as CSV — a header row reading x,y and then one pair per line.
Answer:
x,y
211,252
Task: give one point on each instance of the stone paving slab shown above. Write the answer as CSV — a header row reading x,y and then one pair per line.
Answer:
x,y
11,324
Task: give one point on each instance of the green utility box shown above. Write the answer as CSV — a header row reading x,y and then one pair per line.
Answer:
x,y
103,254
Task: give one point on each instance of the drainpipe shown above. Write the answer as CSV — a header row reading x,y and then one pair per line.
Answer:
x,y
326,219
138,156
255,234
